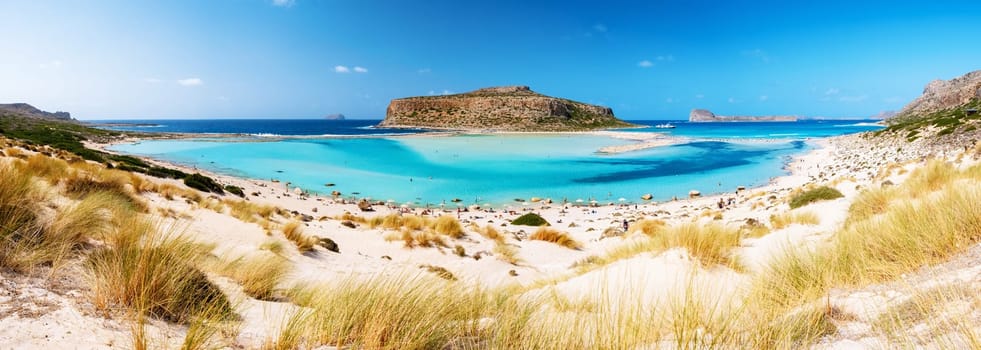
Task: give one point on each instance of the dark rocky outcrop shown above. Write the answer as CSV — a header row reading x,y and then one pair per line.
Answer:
x,y
509,108
704,115
336,116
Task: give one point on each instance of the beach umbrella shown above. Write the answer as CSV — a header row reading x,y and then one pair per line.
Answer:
x,y
579,200
622,199
391,201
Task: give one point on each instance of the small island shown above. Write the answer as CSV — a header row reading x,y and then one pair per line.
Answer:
x,y
508,108
704,115
335,116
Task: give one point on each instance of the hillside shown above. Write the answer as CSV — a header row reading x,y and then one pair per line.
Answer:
x,y
946,113
512,108
31,111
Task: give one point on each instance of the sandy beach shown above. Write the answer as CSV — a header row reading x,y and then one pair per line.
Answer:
x,y
540,268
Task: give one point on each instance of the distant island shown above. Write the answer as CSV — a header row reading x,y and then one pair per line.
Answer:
x,y
704,115
508,108
336,116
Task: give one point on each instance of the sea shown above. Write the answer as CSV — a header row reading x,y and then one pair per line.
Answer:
x,y
421,168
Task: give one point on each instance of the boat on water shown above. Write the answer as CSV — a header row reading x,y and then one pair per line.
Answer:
x,y
664,126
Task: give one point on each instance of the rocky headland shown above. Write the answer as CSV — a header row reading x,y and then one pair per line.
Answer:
x,y
941,95
27,110
704,115
509,108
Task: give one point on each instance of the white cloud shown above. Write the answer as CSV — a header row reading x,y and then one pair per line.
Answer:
x,y
599,27
858,98
54,64
764,97
360,69
341,69
424,71
152,80
283,3
191,82
757,54
831,91
645,64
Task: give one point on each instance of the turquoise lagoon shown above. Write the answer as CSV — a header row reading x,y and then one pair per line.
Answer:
x,y
484,169
499,168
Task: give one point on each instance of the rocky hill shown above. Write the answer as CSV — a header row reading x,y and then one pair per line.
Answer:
x,y
704,115
945,117
31,111
939,95
510,108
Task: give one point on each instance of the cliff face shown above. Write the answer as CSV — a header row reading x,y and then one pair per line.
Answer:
x,y
512,108
30,111
704,115
940,95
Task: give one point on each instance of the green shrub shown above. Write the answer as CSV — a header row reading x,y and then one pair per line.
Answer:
x,y
817,194
235,190
530,219
203,183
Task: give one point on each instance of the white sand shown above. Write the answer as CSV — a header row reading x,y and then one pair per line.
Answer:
x,y
364,251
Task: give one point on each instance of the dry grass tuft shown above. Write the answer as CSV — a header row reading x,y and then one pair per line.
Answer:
x,y
506,252
41,165
152,273
448,225
648,227
258,274
711,244
779,221
390,312
549,234
491,233
293,231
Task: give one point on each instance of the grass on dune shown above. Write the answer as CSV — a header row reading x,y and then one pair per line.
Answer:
x,y
293,231
491,233
259,274
711,244
152,272
552,235
380,312
943,316
30,236
648,227
814,195
924,221
779,221
419,231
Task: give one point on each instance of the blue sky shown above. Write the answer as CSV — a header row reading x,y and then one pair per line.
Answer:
x,y
647,60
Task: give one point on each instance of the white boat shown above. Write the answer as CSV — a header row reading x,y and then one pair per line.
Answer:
x,y
664,126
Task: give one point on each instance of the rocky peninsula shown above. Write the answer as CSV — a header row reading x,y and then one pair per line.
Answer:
x,y
704,115
508,108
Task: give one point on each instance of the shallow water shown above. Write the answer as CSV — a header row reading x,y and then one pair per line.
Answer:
x,y
497,169
483,169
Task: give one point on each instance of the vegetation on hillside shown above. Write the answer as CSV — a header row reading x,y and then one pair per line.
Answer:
x,y
69,135
947,121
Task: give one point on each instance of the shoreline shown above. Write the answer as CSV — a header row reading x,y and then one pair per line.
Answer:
x,y
792,177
